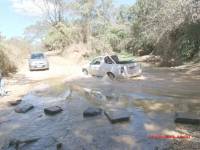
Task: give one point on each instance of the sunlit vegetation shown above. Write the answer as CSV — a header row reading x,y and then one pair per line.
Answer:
x,y
168,28
12,54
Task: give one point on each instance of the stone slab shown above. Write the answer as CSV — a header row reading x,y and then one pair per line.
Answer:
x,y
14,103
24,108
186,118
59,146
53,110
117,116
91,112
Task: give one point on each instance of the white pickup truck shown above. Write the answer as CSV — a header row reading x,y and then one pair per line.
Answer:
x,y
113,67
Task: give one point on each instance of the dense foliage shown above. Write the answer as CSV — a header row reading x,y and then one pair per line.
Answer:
x,y
169,28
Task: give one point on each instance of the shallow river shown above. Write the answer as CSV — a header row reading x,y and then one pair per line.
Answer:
x,y
151,100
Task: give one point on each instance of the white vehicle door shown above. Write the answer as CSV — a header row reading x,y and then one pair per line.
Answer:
x,y
95,66
107,65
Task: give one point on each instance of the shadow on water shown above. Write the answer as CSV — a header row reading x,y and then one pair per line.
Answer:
x,y
151,101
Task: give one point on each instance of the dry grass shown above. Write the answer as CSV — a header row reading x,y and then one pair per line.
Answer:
x,y
6,66
12,54
77,53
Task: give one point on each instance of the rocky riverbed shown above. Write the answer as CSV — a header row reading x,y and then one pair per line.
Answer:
x,y
150,103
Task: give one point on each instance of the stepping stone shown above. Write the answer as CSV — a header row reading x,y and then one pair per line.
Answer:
x,y
59,146
53,110
14,103
117,116
91,112
24,108
16,143
44,143
185,118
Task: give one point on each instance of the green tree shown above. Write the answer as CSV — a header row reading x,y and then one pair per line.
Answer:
x,y
60,36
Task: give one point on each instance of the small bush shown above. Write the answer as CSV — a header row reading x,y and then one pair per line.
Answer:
x,y
6,66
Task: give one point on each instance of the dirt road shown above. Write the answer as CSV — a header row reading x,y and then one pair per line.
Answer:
x,y
24,81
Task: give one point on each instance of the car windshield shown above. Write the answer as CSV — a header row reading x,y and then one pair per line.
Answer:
x,y
37,56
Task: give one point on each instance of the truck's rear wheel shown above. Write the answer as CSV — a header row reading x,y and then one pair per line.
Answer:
x,y
111,75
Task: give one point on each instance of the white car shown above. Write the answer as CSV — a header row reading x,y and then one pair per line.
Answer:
x,y
38,61
111,66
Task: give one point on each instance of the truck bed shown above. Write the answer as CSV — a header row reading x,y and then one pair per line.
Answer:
x,y
125,62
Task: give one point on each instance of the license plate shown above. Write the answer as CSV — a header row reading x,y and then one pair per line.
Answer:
x,y
39,66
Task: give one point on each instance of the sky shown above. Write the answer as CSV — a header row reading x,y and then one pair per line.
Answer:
x,y
16,15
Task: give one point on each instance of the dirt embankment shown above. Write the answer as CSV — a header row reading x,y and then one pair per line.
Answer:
x,y
190,68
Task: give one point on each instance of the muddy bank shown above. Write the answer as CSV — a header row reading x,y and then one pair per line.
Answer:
x,y
190,68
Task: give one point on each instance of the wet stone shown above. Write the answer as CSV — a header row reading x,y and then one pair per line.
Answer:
x,y
24,108
91,112
14,103
16,143
44,143
117,116
185,118
59,146
53,110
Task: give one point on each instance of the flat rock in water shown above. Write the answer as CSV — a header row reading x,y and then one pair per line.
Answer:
x,y
91,112
59,146
24,108
53,110
44,143
117,116
185,118
17,143
14,103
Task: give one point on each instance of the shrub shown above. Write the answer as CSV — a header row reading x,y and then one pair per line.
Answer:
x,y
6,66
